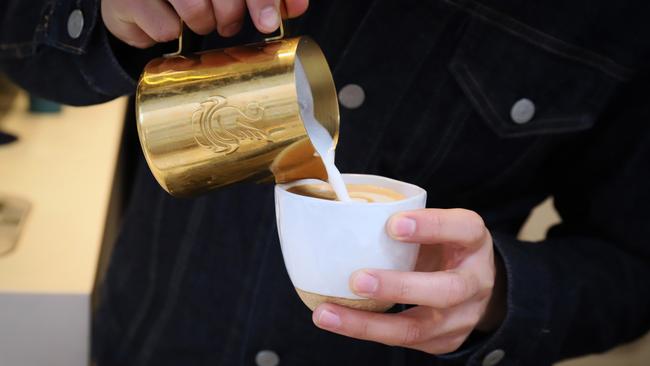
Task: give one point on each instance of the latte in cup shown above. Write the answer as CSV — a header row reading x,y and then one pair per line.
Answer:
x,y
325,240
358,192
365,193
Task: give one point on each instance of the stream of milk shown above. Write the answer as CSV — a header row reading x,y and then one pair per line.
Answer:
x,y
319,136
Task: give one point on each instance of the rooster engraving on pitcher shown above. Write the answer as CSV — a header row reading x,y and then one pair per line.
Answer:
x,y
222,127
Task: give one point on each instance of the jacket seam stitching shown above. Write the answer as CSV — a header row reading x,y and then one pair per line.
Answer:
x,y
547,41
472,87
147,297
9,46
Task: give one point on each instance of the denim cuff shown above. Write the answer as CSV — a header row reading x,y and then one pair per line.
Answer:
x,y
101,69
529,301
474,342
62,52
62,16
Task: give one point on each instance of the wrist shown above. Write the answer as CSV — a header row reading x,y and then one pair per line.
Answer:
x,y
496,309
133,59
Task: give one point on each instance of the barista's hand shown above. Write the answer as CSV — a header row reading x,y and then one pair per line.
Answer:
x,y
454,286
142,23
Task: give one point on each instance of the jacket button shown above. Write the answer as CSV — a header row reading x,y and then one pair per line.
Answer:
x,y
267,358
493,357
522,111
351,96
75,23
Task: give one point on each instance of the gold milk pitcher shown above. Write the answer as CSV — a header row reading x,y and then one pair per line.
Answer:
x,y
218,117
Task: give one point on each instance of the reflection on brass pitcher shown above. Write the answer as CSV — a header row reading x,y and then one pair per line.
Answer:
x,y
218,117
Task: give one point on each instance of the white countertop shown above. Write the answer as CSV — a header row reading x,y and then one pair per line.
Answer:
x,y
64,165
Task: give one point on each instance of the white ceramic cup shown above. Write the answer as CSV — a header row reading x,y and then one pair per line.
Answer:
x,y
324,242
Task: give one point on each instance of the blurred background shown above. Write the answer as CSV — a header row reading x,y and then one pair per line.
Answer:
x,y
62,193
633,354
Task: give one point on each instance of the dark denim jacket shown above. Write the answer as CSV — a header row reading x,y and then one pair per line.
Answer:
x,y
201,281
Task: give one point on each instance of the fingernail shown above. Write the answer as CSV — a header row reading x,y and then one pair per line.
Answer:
x,y
230,29
401,227
269,18
328,319
365,283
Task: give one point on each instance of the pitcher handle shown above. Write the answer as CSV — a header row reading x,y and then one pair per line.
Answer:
x,y
283,12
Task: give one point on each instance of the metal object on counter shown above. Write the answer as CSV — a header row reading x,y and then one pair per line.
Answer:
x,y
219,117
13,214
40,105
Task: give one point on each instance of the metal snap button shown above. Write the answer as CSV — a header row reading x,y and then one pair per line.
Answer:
x,y
522,111
493,357
75,23
352,96
267,358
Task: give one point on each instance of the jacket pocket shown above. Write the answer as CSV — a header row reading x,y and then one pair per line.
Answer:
x,y
524,92
523,82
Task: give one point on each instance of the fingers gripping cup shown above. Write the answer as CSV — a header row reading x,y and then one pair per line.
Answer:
x,y
324,241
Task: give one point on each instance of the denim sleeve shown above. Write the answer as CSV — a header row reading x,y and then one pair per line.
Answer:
x,y
38,53
585,288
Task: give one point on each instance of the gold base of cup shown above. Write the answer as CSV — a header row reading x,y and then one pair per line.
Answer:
x,y
313,300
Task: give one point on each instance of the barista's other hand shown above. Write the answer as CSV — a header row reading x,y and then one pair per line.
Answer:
x,y
143,23
457,287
